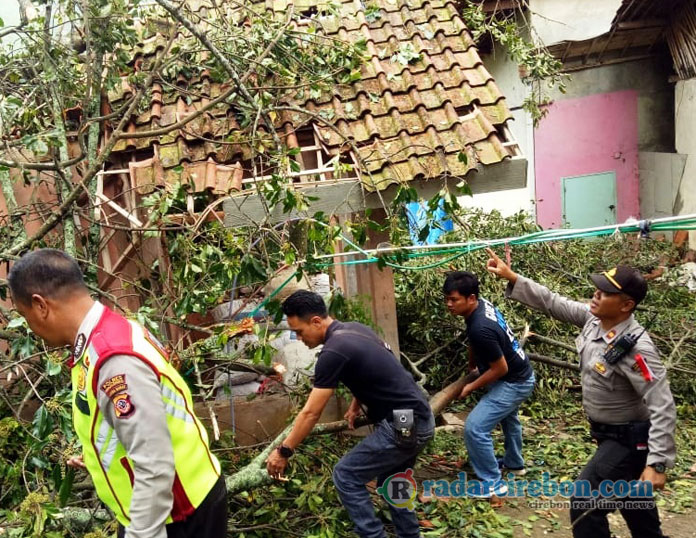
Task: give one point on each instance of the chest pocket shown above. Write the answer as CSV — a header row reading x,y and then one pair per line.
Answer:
x,y
601,374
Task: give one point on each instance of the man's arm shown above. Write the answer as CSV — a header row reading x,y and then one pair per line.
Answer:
x,y
472,361
537,296
496,370
305,421
353,412
644,369
140,423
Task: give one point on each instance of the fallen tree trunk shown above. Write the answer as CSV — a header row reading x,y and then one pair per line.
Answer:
x,y
441,399
254,474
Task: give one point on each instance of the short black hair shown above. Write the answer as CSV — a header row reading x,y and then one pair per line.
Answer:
x,y
464,282
47,272
305,304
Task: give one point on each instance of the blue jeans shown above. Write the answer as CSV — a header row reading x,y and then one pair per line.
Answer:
x,y
377,456
498,406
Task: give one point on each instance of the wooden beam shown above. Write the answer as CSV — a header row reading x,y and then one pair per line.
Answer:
x,y
589,50
645,23
378,284
565,52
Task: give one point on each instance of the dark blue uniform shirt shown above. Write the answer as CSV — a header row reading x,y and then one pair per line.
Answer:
x,y
490,338
354,355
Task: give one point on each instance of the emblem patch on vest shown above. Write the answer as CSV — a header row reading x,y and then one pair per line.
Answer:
x,y
123,406
81,379
115,385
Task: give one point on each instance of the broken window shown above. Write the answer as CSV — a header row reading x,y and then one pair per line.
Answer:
x,y
311,162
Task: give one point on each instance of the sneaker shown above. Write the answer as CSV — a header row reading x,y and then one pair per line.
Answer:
x,y
518,471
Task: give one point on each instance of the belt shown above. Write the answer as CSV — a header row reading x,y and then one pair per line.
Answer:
x,y
629,430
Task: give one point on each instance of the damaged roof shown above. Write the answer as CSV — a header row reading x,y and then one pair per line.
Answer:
x,y
424,97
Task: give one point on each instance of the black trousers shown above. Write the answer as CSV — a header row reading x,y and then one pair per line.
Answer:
x,y
208,521
614,461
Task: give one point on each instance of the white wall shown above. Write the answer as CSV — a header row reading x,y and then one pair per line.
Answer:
x,y
661,176
9,13
685,141
555,21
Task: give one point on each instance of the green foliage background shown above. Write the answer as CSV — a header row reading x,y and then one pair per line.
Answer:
x,y
564,267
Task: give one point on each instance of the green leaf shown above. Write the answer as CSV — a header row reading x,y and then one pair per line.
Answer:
x,y
53,368
424,233
42,423
16,322
406,55
373,13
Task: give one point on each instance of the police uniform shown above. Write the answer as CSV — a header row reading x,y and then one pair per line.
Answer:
x,y
629,405
145,449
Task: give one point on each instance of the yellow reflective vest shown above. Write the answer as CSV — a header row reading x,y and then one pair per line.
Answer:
x,y
196,468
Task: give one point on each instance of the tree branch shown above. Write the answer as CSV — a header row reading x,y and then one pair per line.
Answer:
x,y
57,216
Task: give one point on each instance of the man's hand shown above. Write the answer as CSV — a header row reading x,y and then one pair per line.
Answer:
x,y
466,391
76,462
658,480
275,464
499,268
353,412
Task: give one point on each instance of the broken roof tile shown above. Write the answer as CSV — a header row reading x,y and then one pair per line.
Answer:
x,y
409,118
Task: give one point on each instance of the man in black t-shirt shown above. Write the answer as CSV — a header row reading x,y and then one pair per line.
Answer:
x,y
355,356
503,369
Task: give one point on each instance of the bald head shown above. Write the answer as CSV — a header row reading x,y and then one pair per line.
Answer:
x,y
47,272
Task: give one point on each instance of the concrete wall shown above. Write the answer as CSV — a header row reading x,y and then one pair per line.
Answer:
x,y
647,118
653,106
660,180
588,135
649,78
685,125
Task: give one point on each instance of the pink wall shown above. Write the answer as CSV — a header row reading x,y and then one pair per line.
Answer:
x,y
588,135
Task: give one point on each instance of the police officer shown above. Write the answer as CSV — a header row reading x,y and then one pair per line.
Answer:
x,y
355,356
625,393
146,451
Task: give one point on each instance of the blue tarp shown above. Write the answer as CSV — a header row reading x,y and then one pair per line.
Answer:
x,y
418,219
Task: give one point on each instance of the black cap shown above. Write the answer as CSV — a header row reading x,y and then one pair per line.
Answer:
x,y
622,279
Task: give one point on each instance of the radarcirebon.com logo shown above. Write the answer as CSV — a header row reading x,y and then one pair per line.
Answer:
x,y
400,490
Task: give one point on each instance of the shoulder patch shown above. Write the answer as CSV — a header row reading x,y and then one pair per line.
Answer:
x,y
115,385
123,406
641,366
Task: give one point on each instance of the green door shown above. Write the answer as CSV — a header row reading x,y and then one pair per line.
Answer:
x,y
589,200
